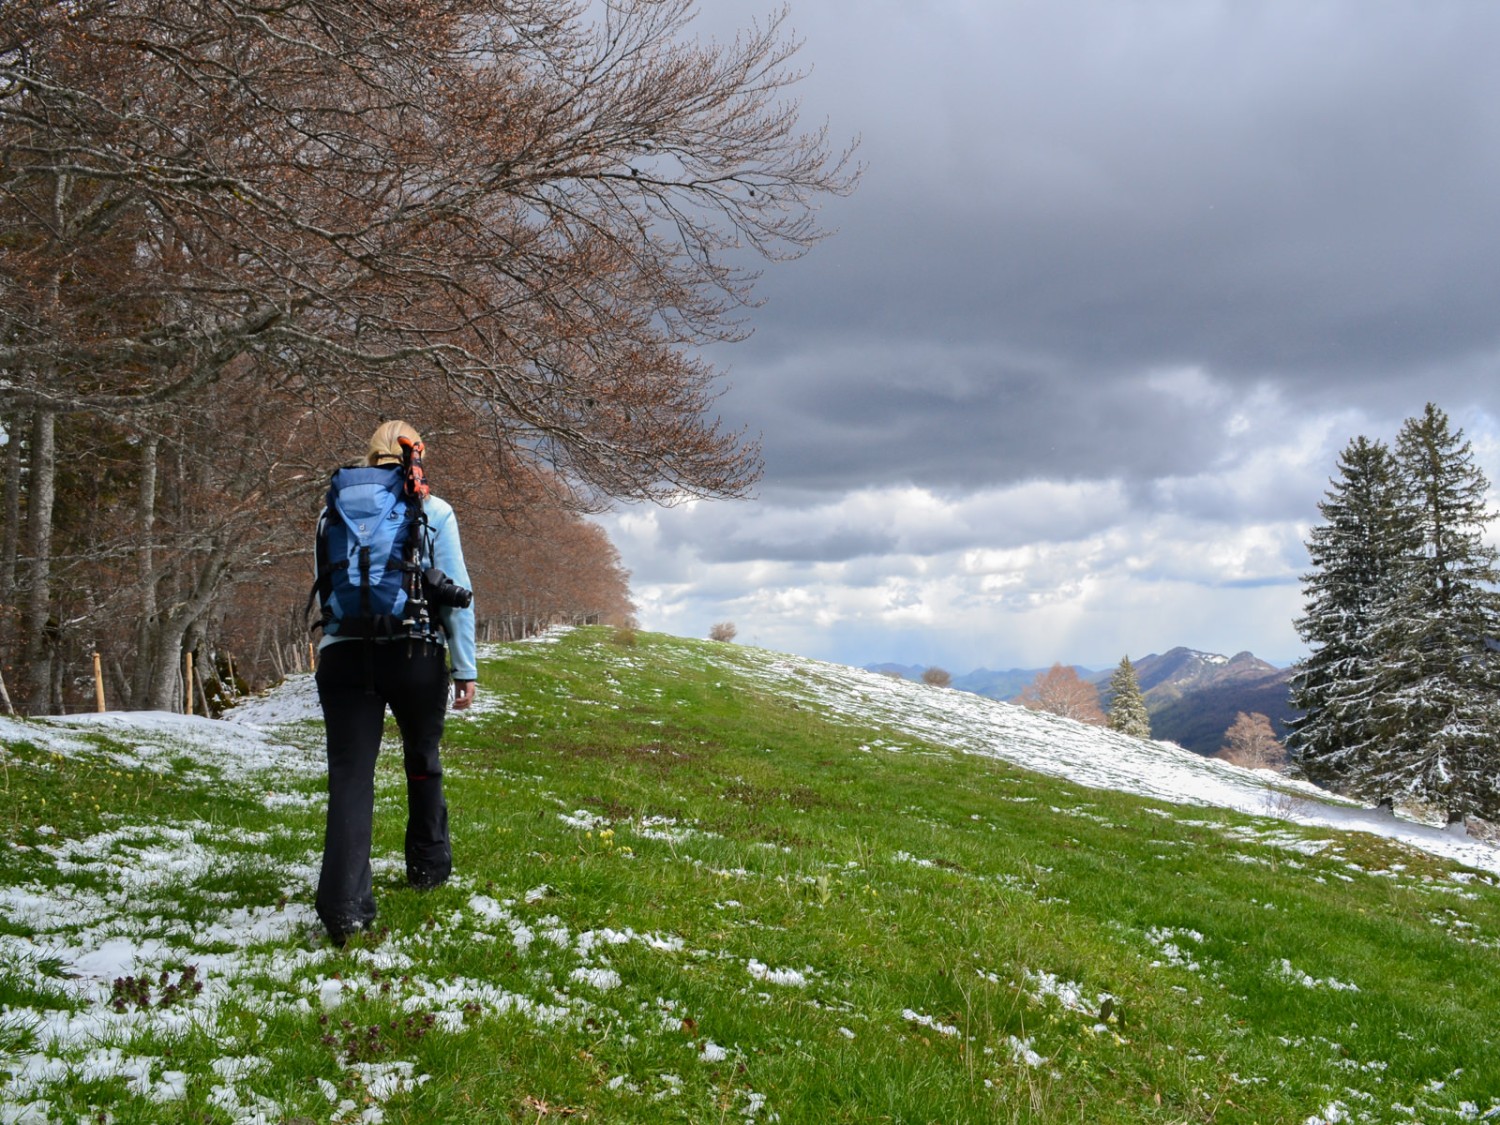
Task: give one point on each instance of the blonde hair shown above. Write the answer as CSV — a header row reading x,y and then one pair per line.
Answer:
x,y
385,443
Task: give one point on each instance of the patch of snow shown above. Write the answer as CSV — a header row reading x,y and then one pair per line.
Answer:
x,y
1021,1050
913,1016
294,700
1284,970
790,977
602,979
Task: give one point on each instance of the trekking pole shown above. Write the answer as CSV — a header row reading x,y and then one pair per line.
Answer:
x,y
187,683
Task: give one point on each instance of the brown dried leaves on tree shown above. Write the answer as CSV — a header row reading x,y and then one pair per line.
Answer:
x,y
501,208
515,220
1060,691
1251,742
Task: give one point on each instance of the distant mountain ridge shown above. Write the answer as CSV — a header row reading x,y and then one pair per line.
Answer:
x,y
1192,696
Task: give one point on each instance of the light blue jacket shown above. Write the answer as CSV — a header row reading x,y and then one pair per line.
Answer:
x,y
447,556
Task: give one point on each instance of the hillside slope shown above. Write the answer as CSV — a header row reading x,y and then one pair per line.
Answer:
x,y
700,882
1193,697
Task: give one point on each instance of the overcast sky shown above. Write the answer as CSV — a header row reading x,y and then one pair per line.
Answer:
x,y
1120,281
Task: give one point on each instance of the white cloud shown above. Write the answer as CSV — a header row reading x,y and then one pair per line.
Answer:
x,y
1017,575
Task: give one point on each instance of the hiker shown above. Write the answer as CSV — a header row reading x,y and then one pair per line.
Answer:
x,y
396,612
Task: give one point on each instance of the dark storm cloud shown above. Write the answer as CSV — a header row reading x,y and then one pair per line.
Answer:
x,y
1064,198
939,417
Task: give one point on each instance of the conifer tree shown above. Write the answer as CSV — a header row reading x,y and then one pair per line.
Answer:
x,y
1435,693
1127,708
1357,557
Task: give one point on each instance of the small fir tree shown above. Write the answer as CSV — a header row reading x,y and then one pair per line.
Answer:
x,y
1127,708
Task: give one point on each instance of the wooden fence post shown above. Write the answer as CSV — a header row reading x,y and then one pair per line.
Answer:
x,y
98,684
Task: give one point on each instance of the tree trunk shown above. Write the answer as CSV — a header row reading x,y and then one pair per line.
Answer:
x,y
40,494
173,629
10,534
146,669
119,683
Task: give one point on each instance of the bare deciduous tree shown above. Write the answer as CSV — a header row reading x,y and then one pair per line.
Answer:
x,y
524,216
1059,690
535,563
1251,742
937,677
723,631
529,212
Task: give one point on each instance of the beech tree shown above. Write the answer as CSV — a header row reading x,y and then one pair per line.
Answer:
x,y
526,214
543,565
1127,706
149,530
937,677
1060,691
1251,742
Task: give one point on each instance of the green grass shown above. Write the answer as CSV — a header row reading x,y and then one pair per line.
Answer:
x,y
683,894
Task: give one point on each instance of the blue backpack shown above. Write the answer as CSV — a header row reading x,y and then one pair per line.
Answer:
x,y
372,540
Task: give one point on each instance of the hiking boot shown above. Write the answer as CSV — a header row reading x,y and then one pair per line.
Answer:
x,y
425,880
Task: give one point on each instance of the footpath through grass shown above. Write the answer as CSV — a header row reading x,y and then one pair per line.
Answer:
x,y
685,893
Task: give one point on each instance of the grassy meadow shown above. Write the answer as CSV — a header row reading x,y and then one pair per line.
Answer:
x,y
685,891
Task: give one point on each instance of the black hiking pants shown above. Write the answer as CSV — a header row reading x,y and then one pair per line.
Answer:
x,y
356,682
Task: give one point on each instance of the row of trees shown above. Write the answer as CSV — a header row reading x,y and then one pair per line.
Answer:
x,y
234,237
1401,691
149,561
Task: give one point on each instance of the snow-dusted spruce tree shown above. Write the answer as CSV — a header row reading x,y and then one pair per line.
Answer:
x,y
1435,693
1357,555
1127,707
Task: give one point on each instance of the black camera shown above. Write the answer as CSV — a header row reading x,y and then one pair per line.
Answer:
x,y
442,590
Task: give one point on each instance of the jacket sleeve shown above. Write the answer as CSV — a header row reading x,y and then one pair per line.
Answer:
x,y
448,556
